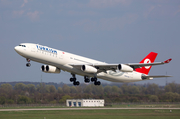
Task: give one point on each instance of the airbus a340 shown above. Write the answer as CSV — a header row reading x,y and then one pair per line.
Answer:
x,y
57,60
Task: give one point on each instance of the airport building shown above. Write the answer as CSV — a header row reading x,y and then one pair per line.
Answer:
x,y
85,103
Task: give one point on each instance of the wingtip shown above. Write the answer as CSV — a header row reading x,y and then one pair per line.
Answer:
x,y
167,61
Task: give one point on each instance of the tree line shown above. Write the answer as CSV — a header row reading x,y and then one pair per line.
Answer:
x,y
42,93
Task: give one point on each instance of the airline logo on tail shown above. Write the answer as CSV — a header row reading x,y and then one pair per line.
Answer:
x,y
150,58
147,61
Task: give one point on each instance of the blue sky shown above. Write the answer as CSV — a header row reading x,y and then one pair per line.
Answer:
x,y
113,31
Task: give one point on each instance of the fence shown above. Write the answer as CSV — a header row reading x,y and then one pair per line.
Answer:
x,y
121,104
145,104
33,105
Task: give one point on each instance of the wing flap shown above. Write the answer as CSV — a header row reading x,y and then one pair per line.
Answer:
x,y
100,67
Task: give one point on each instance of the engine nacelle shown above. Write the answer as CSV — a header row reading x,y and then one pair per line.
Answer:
x,y
88,69
50,69
125,68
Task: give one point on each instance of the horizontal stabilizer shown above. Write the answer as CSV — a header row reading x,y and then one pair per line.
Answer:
x,y
151,77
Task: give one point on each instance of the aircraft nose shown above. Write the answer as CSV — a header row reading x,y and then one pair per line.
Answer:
x,y
16,48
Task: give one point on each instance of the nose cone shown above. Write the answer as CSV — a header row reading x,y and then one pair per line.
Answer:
x,y
16,48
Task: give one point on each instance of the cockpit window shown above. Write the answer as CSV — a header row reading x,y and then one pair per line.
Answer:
x,y
22,45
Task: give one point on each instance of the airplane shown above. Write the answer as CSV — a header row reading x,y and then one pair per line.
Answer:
x,y
57,60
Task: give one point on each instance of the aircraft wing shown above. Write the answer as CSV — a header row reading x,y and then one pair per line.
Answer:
x,y
139,65
104,67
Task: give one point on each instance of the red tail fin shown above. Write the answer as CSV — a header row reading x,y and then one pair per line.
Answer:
x,y
148,59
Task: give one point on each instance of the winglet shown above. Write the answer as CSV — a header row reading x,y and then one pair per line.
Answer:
x,y
167,61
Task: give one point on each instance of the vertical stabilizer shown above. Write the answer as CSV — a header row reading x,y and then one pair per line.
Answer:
x,y
150,58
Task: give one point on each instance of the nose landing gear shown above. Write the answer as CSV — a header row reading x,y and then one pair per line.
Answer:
x,y
28,64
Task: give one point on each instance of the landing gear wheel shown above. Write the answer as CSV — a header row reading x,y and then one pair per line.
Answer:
x,y
93,79
72,79
86,80
76,83
97,83
28,64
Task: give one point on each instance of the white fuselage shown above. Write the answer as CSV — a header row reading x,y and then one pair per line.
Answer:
x,y
62,60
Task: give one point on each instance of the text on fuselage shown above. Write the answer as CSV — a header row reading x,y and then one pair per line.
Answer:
x,y
46,49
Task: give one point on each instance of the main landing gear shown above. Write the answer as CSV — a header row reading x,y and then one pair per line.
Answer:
x,y
28,64
86,79
95,81
73,79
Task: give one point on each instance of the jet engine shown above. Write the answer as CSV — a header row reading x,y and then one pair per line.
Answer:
x,y
88,69
50,69
125,68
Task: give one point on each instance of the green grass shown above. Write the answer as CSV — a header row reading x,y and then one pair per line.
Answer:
x,y
92,114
